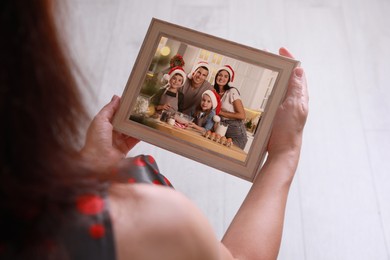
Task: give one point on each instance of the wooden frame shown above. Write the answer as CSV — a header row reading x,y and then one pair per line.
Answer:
x,y
253,67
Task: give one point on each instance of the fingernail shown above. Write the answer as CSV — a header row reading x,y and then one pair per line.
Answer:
x,y
298,72
114,97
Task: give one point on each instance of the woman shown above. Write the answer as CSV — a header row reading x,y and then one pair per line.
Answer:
x,y
58,202
232,110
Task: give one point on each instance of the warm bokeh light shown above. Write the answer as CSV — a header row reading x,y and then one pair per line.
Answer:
x,y
165,51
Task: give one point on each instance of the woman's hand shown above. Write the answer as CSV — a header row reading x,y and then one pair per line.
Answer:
x,y
256,230
104,147
239,111
291,116
163,107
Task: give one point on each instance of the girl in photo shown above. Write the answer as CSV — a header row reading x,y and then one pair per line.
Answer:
x,y
209,106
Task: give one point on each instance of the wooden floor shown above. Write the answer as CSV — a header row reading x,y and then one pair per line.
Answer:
x,y
339,205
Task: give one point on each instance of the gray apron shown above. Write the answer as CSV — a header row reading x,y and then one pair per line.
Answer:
x,y
237,131
170,98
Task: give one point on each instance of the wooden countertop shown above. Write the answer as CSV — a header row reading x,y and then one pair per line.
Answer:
x,y
195,137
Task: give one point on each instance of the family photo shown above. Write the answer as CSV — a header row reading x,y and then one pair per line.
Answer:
x,y
204,97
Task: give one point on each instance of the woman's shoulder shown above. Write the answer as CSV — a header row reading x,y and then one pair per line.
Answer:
x,y
233,91
233,94
147,216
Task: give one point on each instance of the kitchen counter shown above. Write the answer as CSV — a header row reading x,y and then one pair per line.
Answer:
x,y
195,137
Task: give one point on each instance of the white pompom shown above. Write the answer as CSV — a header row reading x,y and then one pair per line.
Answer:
x,y
216,119
166,77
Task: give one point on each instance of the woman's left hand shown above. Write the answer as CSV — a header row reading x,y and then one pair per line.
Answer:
x,y
104,147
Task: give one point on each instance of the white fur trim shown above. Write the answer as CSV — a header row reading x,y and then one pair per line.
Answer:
x,y
178,71
167,77
216,118
212,96
202,64
198,65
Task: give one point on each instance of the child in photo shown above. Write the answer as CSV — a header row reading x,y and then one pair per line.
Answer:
x,y
209,106
168,97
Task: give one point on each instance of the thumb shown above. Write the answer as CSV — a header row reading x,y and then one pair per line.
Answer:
x,y
297,86
109,109
284,52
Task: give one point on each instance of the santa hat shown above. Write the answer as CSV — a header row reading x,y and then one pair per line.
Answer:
x,y
175,70
197,66
215,100
229,70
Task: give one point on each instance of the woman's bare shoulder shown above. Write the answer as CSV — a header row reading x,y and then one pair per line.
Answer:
x,y
156,222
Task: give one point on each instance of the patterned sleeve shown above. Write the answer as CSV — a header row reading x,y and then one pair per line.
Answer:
x,y
88,231
140,169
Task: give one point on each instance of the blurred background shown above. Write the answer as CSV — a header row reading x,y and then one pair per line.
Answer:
x,y
338,206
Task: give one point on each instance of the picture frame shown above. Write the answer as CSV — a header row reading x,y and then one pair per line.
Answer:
x,y
261,79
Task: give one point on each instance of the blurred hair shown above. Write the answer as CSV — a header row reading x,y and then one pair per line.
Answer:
x,y
41,113
203,67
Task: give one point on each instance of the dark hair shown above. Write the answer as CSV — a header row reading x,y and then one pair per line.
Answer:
x,y
226,87
202,67
41,112
199,110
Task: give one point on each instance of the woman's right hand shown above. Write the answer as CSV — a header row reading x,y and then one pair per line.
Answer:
x,y
291,115
104,147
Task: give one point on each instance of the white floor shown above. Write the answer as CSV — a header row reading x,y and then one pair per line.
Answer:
x,y
339,203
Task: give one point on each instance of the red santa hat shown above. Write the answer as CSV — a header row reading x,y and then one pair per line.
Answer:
x,y
175,70
229,70
197,66
215,100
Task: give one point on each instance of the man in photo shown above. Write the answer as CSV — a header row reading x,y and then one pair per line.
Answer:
x,y
194,87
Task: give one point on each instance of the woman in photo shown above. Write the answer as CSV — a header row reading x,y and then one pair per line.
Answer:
x,y
232,110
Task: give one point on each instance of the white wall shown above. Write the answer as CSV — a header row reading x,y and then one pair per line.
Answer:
x,y
339,202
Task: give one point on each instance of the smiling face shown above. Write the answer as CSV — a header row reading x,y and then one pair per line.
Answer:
x,y
206,103
176,81
223,78
199,76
